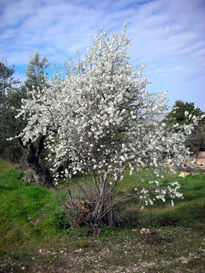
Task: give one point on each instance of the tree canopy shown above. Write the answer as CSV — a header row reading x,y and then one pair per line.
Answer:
x,y
36,75
183,113
9,100
100,120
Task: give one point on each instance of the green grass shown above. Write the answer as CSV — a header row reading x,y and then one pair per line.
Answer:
x,y
5,165
31,219
26,211
189,211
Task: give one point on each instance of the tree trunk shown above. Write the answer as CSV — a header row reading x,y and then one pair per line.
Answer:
x,y
39,170
41,173
103,210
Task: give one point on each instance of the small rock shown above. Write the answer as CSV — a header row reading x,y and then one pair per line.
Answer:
x,y
183,174
78,250
145,231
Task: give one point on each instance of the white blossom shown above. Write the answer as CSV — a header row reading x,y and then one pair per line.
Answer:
x,y
100,119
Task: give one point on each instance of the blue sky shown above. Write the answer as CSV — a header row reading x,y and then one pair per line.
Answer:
x,y
169,37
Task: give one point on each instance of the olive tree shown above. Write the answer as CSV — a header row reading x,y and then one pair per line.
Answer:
x,y
33,159
100,120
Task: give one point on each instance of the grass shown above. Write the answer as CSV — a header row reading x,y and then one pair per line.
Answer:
x,y
5,166
35,235
27,210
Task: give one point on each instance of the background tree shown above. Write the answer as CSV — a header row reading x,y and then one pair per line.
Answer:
x,y
11,95
36,80
196,141
10,98
6,82
184,113
6,78
36,75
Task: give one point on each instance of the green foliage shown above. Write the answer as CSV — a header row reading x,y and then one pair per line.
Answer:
x,y
196,141
35,154
11,95
6,79
36,72
177,114
10,98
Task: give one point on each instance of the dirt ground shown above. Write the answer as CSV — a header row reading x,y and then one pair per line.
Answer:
x,y
201,160
167,250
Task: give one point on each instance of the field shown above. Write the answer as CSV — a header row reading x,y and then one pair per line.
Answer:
x,y
35,235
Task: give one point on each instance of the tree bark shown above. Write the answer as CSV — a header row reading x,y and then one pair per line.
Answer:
x,y
39,170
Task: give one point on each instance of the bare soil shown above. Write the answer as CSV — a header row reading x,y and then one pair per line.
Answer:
x,y
201,160
166,250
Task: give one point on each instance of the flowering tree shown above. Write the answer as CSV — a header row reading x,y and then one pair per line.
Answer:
x,y
100,120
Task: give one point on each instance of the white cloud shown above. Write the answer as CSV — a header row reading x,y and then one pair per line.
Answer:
x,y
169,36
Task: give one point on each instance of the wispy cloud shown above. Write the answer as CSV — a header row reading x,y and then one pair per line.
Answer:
x,y
169,36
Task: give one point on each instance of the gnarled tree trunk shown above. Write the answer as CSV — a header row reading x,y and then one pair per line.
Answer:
x,y
38,169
